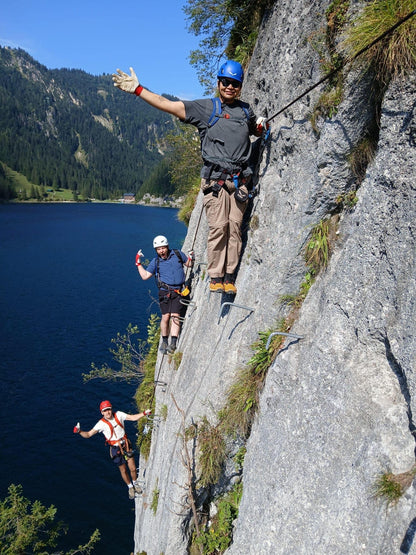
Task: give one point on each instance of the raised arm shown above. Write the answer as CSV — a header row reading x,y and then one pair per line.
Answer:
x,y
130,84
135,417
144,274
90,433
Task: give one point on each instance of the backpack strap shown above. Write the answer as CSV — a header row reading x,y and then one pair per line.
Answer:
x,y
216,111
178,254
245,110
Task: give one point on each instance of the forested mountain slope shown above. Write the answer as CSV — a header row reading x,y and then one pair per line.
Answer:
x,y
66,128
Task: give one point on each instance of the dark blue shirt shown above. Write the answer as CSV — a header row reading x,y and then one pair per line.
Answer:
x,y
170,270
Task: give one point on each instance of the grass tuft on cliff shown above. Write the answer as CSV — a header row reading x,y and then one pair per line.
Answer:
x,y
395,55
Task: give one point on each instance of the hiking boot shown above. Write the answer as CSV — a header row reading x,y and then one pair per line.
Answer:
x,y
164,347
132,493
137,489
171,348
216,285
229,286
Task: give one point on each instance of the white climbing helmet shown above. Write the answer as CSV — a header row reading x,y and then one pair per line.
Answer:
x,y
160,241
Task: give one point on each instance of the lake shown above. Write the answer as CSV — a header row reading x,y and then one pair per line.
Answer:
x,y
68,285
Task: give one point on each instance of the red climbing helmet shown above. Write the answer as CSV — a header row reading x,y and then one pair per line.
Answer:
x,y
105,405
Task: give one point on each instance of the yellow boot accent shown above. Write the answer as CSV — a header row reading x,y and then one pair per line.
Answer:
x,y
216,286
230,288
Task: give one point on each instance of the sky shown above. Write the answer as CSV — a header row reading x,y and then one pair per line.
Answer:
x,y
101,36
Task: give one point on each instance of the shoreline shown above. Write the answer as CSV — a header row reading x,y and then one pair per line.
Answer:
x,y
177,204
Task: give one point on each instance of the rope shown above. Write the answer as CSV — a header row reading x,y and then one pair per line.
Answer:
x,y
197,227
193,241
155,382
334,71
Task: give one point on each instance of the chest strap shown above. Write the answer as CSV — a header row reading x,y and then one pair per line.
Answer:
x,y
114,441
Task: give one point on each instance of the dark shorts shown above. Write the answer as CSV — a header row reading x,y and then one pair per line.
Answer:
x,y
170,302
117,456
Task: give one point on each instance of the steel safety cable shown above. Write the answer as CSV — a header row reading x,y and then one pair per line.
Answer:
x,y
194,239
334,71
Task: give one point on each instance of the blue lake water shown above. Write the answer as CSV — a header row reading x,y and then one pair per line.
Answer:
x,y
68,285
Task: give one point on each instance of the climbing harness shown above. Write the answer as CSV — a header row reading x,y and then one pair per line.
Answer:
x,y
122,443
334,71
236,176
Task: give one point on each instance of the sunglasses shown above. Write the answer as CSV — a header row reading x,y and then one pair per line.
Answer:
x,y
227,82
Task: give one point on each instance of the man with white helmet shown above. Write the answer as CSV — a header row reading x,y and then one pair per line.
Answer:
x,y
224,125
167,267
112,426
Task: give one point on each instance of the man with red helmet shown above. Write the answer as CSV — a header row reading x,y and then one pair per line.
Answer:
x,y
112,426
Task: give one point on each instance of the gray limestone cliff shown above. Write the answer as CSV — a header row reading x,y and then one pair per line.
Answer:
x,y
337,406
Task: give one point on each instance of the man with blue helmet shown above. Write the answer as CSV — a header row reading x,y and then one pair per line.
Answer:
x,y
224,125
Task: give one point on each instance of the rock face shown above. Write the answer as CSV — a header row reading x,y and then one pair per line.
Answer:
x,y
337,405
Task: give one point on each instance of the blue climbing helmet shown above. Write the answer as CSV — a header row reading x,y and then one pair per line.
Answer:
x,y
231,69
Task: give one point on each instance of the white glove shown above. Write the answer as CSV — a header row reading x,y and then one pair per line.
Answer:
x,y
124,82
77,428
191,255
147,412
138,256
261,124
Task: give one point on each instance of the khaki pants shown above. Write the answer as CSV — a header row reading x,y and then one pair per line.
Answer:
x,y
224,215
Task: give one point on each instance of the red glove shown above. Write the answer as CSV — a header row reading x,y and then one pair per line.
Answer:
x,y
147,412
77,428
138,256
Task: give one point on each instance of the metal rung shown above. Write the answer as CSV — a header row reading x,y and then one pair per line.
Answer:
x,y
231,305
156,419
187,303
152,423
293,335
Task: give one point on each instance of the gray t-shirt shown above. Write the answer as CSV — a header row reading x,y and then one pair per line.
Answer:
x,y
225,144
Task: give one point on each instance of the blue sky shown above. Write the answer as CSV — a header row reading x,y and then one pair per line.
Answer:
x,y
99,37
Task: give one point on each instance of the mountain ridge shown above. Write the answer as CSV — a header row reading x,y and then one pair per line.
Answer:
x,y
67,128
